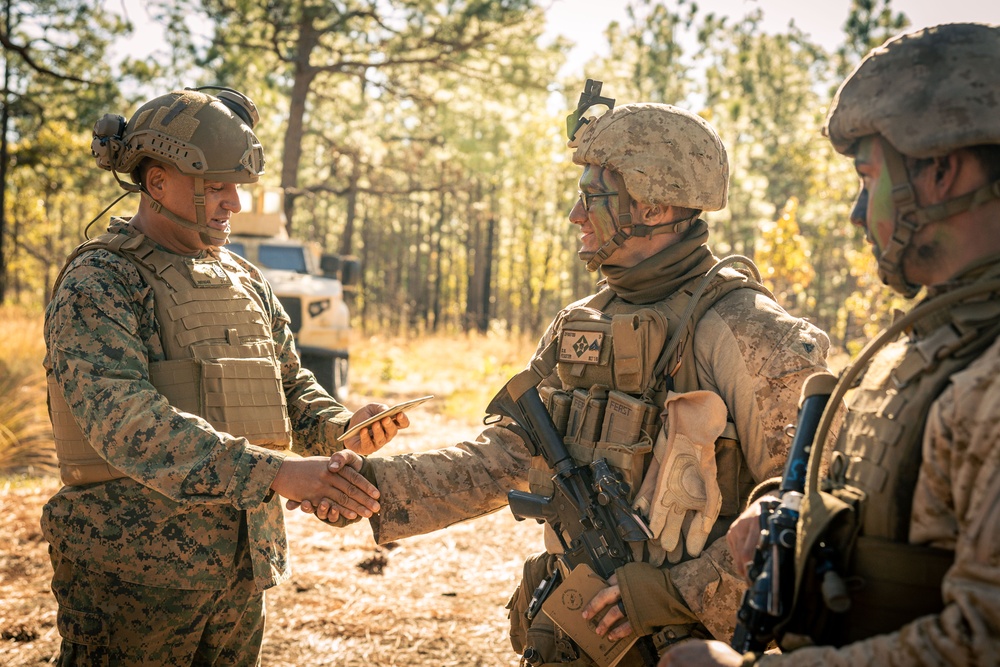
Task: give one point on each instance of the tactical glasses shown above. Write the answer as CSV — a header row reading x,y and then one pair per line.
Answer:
x,y
585,197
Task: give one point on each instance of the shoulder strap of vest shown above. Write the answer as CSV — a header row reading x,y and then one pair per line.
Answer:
x,y
113,242
751,279
545,361
601,300
853,372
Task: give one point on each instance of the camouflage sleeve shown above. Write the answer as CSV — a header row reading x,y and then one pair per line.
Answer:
x,y
956,504
427,491
756,357
100,336
317,418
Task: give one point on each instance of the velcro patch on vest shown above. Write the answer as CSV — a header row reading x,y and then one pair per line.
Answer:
x,y
209,273
580,347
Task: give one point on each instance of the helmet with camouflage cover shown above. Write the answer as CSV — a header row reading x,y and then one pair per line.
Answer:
x,y
207,137
926,93
662,155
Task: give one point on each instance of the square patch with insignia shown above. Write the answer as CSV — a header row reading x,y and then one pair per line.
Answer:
x,y
580,347
209,273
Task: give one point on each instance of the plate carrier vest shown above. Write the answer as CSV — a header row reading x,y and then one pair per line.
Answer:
x,y
220,359
615,363
873,475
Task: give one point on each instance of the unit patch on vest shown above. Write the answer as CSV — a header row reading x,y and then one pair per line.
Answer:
x,y
209,273
580,347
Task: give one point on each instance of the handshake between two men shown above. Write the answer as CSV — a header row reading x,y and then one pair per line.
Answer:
x,y
334,487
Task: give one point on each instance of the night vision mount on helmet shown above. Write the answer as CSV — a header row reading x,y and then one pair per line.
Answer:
x,y
207,137
658,154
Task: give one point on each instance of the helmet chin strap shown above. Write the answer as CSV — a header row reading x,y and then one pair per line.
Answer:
x,y
624,229
200,225
910,217
208,235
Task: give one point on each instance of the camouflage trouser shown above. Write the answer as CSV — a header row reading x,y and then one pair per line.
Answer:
x,y
106,621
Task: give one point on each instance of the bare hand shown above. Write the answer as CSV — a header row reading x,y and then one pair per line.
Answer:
x,y
328,509
697,653
375,436
335,481
613,624
744,535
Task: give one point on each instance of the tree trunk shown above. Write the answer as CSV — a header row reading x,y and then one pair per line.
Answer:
x,y
4,119
304,74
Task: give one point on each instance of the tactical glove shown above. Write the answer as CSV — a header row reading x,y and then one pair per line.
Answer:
x,y
680,491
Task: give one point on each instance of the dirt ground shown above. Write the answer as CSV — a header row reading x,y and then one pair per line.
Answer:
x,y
432,600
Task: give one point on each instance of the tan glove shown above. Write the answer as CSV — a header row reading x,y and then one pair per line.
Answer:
x,y
680,491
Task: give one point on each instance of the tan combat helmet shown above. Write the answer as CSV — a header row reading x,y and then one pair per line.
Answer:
x,y
205,136
661,155
926,93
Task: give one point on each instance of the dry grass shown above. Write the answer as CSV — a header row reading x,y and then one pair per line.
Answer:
x,y
438,599
25,435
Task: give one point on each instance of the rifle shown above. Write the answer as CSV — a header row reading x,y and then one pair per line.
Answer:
x,y
589,505
768,601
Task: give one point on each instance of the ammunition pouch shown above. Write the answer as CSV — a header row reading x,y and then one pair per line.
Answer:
x,y
598,424
536,568
853,586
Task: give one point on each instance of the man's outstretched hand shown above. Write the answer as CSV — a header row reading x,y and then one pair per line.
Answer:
x,y
333,484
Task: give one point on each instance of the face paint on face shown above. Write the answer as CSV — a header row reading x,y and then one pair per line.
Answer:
x,y
596,220
874,209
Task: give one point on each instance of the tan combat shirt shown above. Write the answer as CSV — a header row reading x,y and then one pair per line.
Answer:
x,y
747,349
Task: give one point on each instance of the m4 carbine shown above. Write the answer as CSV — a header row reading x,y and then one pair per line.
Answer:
x,y
768,601
588,510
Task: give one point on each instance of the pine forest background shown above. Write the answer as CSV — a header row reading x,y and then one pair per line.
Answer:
x,y
426,138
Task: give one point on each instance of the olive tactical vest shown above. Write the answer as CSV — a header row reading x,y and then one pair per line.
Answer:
x,y
609,356
874,470
220,359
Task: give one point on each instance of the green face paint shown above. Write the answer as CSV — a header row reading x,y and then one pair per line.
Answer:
x,y
879,214
600,217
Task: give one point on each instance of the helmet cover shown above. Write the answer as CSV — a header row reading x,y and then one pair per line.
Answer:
x,y
927,92
666,155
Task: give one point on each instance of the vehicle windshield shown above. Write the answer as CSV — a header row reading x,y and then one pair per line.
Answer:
x,y
285,258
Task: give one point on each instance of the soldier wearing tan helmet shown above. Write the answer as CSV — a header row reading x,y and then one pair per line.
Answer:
x,y
174,391
675,331
906,525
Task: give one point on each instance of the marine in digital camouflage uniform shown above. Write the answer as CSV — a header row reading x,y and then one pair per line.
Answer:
x,y
920,445
175,392
649,171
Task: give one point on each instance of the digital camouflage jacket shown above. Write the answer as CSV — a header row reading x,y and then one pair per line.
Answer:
x,y
174,521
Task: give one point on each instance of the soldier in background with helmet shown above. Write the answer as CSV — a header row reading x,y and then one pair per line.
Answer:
x,y
674,331
175,392
920,445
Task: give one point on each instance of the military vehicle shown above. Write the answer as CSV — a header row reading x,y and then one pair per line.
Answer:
x,y
314,288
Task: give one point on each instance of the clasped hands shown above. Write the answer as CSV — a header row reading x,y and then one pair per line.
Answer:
x,y
334,487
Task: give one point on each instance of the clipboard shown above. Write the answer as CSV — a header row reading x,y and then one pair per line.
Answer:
x,y
565,606
394,410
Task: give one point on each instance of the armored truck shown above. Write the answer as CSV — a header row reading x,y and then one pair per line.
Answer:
x,y
313,287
